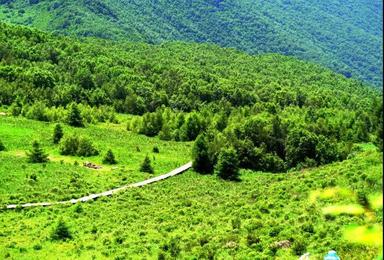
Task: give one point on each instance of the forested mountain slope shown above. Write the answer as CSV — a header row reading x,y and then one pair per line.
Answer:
x,y
275,110
343,35
36,66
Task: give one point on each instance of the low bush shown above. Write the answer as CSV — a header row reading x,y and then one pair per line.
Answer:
x,y
299,247
77,146
156,149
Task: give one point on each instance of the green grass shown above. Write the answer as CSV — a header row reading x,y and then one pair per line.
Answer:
x,y
189,216
60,178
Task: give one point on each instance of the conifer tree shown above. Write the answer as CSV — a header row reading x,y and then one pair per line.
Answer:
x,y
57,133
61,231
146,166
37,154
109,158
74,117
165,133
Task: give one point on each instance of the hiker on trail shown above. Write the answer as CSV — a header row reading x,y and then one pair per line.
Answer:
x,y
332,255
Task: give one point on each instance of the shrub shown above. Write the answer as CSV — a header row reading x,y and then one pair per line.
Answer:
x,y
191,128
299,247
236,223
2,146
16,109
37,112
161,256
252,239
61,231
156,149
165,133
109,158
363,199
174,247
57,134
37,154
73,145
227,166
146,166
151,124
33,177
37,247
86,148
69,145
308,227
272,163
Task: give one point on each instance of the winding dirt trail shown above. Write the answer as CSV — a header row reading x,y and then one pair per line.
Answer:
x,y
109,192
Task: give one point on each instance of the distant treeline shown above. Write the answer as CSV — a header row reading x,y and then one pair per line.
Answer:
x,y
345,36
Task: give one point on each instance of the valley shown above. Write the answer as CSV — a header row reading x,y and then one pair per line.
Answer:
x,y
191,129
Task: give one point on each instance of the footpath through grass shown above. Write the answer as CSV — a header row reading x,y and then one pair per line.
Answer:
x,y
64,177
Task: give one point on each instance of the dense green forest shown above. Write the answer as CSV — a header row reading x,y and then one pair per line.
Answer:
x,y
345,36
276,112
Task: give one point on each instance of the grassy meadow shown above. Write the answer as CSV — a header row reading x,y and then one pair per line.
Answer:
x,y
190,216
64,177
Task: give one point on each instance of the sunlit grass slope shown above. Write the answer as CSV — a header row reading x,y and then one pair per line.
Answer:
x,y
62,178
201,217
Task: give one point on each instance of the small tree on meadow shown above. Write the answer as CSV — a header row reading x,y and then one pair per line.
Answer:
x,y
37,154
61,231
227,166
109,158
74,117
57,133
146,165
